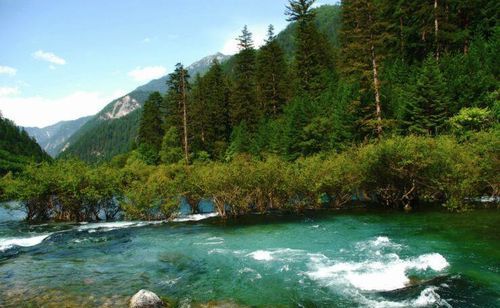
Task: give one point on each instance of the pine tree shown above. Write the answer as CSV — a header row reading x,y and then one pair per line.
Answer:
x,y
243,100
217,97
198,113
313,58
178,105
209,108
426,112
272,76
150,127
365,35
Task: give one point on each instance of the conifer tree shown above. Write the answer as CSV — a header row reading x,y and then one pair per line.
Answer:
x,y
426,112
150,126
312,58
197,112
177,103
364,35
243,99
209,108
272,76
217,96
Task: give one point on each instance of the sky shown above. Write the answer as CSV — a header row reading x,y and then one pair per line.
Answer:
x,y
61,60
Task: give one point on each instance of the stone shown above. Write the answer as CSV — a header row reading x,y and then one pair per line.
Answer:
x,y
146,299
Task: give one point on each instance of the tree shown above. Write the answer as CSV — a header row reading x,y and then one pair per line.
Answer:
x,y
313,57
243,99
171,150
470,120
364,38
272,76
177,101
426,112
211,123
150,126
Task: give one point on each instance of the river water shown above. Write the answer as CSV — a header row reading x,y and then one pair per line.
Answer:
x,y
330,259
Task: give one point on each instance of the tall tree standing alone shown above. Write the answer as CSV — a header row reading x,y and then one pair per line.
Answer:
x,y
177,100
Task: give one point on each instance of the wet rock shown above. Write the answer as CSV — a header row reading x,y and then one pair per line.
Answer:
x,y
146,299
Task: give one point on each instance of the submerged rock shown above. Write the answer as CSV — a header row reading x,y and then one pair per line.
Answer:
x,y
146,299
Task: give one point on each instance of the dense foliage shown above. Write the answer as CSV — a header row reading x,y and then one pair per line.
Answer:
x,y
397,104
398,172
17,148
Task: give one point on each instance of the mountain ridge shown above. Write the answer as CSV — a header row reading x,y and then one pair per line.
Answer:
x,y
53,137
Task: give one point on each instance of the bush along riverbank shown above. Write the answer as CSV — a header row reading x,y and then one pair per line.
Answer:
x,y
398,172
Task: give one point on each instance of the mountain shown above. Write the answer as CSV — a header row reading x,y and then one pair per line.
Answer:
x,y
53,138
17,148
113,130
199,67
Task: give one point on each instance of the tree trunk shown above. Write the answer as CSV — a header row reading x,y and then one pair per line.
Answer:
x,y
275,99
401,37
376,87
436,28
184,116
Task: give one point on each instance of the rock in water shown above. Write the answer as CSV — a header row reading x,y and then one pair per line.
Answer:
x,y
146,299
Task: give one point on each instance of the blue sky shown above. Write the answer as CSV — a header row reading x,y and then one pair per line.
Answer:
x,y
61,60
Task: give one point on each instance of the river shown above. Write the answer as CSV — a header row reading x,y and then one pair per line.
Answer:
x,y
356,258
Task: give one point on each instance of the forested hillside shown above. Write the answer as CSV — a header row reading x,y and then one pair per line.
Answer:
x,y
53,138
17,148
114,129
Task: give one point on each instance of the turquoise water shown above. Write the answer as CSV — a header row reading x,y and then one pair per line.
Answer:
x,y
334,259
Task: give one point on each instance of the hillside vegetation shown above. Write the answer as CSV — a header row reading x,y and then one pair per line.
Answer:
x,y
395,103
17,148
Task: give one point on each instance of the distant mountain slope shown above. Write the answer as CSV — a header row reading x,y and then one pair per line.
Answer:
x,y
17,148
53,138
199,67
113,130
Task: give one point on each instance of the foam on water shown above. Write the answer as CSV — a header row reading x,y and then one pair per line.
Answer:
x,y
378,272
9,243
195,217
283,254
109,226
261,255
427,298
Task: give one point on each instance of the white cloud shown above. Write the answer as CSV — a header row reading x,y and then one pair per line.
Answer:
x,y
8,70
41,112
146,40
325,2
7,91
147,73
49,57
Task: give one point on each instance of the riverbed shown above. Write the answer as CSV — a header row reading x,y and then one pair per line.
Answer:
x,y
356,258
